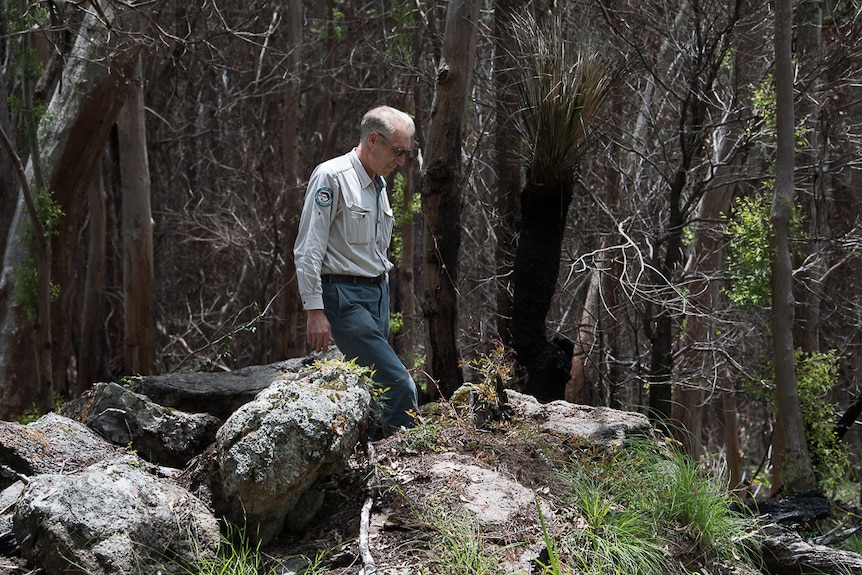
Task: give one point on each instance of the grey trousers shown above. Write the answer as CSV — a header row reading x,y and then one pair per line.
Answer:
x,y
359,316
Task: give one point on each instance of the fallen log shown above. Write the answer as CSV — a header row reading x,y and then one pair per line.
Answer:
x,y
786,553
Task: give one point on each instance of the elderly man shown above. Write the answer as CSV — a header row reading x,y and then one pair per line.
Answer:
x,y
341,259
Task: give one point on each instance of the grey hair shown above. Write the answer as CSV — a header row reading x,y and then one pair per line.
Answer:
x,y
385,120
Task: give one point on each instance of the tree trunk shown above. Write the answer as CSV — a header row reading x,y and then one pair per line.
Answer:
x,y
82,115
138,273
544,210
291,340
792,470
506,159
8,184
705,261
441,187
811,159
92,305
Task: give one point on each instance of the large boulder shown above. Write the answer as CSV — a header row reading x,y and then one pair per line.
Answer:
x,y
301,428
112,518
160,435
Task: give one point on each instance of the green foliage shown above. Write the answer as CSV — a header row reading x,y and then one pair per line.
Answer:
x,y
498,364
816,375
335,25
26,274
460,548
633,499
403,215
422,438
562,89
748,253
396,322
749,256
237,555
764,130
614,539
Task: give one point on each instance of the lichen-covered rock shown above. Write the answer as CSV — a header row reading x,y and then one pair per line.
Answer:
x,y
274,448
595,425
112,518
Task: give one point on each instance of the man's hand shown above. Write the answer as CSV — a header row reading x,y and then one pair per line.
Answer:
x,y
318,331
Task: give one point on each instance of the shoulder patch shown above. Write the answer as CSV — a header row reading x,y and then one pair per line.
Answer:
x,y
323,197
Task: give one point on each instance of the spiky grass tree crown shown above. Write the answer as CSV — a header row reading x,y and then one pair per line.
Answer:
x,y
561,91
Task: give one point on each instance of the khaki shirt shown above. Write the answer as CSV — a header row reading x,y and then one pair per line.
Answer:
x,y
345,228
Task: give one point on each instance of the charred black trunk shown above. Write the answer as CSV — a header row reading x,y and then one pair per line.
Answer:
x,y
544,209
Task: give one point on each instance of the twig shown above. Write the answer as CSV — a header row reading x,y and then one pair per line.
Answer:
x,y
368,567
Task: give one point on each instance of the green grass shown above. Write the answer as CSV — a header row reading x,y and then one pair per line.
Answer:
x,y
634,504
460,547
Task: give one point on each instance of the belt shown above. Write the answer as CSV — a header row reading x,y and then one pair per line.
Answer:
x,y
335,278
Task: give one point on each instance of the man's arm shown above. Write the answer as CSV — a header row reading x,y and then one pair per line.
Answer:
x,y
319,333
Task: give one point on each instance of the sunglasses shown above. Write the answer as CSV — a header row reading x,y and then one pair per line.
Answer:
x,y
398,152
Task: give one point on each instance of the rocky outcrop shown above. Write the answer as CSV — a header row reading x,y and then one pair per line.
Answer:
x,y
53,444
219,394
80,501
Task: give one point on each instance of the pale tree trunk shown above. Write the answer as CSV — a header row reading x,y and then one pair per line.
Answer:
x,y
577,389
792,469
137,224
93,302
291,340
409,336
441,186
8,183
81,116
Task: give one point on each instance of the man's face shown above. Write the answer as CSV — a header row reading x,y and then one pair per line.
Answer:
x,y
389,152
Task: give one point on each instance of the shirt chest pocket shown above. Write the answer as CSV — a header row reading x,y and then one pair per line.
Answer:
x,y
359,224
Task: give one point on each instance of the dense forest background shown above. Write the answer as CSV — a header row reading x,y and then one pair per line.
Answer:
x,y
166,144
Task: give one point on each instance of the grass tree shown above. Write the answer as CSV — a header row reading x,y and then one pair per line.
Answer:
x,y
561,91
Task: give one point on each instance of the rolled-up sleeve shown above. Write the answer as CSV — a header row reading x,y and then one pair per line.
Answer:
x,y
321,202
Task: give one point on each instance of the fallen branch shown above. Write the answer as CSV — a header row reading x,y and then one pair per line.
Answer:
x,y
368,567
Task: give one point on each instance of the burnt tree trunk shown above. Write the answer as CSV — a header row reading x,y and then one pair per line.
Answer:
x,y
544,210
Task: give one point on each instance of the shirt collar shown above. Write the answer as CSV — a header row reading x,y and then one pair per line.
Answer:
x,y
364,178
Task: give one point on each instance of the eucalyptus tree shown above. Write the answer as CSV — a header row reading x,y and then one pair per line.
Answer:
x,y
792,469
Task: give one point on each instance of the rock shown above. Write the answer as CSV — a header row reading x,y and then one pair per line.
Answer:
x,y
271,450
111,518
52,444
597,425
219,394
160,435
496,501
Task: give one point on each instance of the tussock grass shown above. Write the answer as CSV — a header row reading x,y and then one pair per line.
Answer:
x,y
632,505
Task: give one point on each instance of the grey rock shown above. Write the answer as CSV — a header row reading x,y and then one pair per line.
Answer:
x,y
219,394
52,444
271,450
112,518
596,425
160,435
